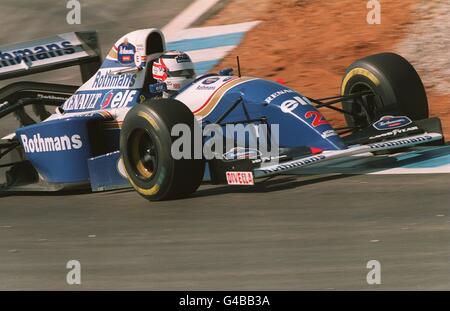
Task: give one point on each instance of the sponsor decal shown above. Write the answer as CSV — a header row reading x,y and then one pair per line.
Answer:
x,y
125,52
159,73
206,87
296,164
106,100
122,98
269,159
391,122
395,132
271,97
104,114
38,143
210,80
137,59
82,101
159,70
85,101
36,53
107,80
241,153
46,96
228,79
174,85
288,106
402,142
183,58
157,88
240,178
328,133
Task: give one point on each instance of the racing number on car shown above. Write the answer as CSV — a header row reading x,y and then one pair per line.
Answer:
x,y
290,105
318,119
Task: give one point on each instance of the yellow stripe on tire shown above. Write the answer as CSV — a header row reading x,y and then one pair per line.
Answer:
x,y
155,188
359,71
152,191
149,119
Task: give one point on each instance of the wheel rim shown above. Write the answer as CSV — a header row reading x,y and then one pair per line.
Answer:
x,y
366,111
143,154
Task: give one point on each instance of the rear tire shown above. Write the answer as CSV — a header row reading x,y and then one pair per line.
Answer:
x,y
394,81
145,146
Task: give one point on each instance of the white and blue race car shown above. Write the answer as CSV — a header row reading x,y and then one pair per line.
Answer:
x,y
113,132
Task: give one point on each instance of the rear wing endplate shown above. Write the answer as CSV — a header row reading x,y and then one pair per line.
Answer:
x,y
59,51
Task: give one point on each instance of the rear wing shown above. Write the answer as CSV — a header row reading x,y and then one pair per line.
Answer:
x,y
64,50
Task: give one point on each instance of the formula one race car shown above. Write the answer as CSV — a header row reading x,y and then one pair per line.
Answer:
x,y
112,132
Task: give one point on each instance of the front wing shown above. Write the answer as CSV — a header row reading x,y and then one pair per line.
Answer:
x,y
269,169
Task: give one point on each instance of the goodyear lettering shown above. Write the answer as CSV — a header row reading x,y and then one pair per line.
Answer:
x,y
35,53
37,144
395,132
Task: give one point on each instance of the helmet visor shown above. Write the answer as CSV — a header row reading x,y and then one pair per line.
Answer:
x,y
185,73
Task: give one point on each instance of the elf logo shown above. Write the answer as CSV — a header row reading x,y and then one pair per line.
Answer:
x,y
121,99
107,99
288,106
38,143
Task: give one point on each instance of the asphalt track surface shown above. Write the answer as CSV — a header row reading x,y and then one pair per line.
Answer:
x,y
315,232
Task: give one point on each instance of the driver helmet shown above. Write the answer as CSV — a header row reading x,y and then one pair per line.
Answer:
x,y
175,68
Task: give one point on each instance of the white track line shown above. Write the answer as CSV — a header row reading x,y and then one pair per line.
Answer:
x,y
188,16
444,169
210,54
209,31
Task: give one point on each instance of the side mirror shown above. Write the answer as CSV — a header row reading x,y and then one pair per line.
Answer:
x,y
157,88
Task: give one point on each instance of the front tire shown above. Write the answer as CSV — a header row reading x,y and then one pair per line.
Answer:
x,y
395,83
145,146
